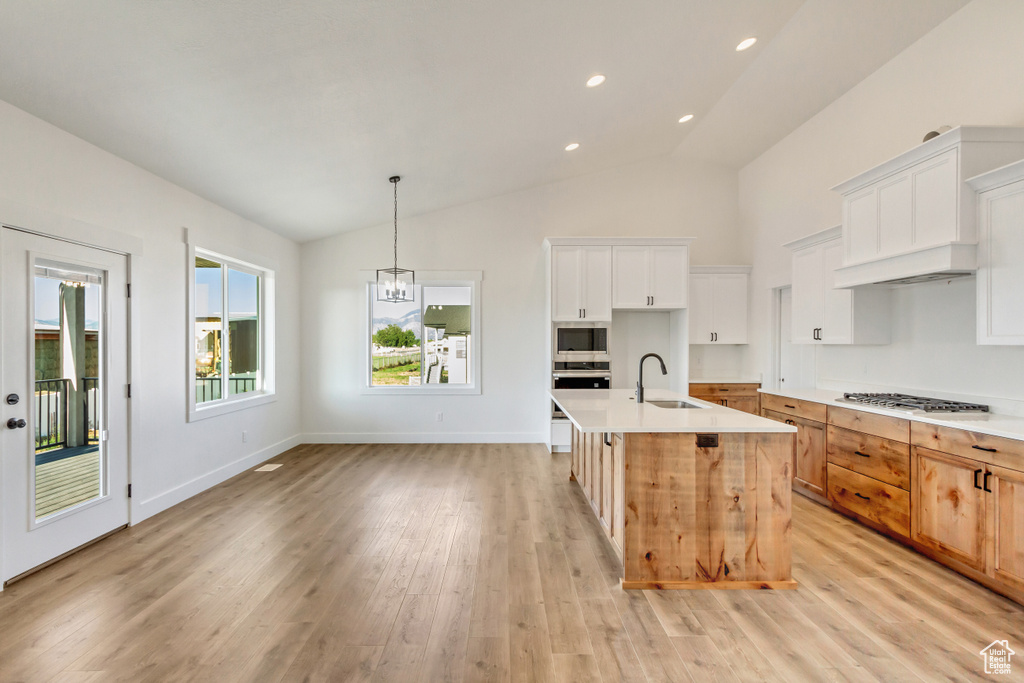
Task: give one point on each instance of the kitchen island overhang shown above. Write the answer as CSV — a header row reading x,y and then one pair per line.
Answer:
x,y
690,498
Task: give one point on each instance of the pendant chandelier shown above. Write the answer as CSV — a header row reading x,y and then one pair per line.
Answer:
x,y
396,284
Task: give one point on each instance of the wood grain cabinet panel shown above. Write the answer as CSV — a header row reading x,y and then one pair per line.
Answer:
x,y
882,459
809,410
949,506
1006,500
994,450
810,457
738,396
885,505
892,428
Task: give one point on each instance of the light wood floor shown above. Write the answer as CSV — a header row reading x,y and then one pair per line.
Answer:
x,y
434,563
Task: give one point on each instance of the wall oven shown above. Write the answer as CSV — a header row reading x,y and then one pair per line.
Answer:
x,y
579,375
580,342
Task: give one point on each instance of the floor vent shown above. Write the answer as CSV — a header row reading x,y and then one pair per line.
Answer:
x,y
268,468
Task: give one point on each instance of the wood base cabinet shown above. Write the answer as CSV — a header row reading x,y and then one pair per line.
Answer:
x,y
809,471
738,396
681,515
970,512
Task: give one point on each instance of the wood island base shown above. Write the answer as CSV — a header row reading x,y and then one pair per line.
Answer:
x,y
684,514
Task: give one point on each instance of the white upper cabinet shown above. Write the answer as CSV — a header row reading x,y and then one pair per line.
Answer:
x,y
825,314
1000,285
650,276
914,216
718,304
581,283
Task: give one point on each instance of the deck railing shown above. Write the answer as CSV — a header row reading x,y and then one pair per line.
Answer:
x,y
51,413
91,425
208,388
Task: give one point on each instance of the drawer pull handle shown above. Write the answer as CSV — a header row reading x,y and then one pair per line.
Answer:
x,y
863,455
976,473
987,475
789,406
982,448
861,496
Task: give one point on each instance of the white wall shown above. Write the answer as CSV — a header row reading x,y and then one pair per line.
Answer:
x,y
503,238
968,71
49,178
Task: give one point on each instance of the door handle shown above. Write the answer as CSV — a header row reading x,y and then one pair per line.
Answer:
x,y
652,300
976,473
985,480
15,423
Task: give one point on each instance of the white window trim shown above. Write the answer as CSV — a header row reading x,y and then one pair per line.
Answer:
x,y
469,278
267,307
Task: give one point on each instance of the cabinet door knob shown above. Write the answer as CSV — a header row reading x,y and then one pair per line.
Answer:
x,y
987,475
982,448
976,473
862,496
863,455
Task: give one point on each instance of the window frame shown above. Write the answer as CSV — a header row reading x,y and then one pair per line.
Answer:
x,y
266,393
472,279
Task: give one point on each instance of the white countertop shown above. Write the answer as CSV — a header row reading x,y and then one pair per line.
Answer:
x,y
726,379
1006,426
616,410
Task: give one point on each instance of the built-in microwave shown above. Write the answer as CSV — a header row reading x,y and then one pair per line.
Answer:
x,y
586,342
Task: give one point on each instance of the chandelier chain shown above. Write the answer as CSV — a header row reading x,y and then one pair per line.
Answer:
x,y
396,228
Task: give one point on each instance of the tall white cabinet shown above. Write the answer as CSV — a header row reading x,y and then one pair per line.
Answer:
x,y
823,313
1000,283
718,304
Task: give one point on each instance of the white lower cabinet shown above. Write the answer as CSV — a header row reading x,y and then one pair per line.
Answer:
x,y
718,304
823,313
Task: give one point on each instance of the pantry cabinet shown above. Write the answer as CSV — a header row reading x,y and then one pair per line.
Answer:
x,y
823,313
649,277
1001,255
718,304
581,283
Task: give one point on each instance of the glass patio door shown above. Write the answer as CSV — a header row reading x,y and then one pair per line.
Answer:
x,y
64,446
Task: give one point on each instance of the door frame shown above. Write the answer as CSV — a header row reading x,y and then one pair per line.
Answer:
x,y
54,226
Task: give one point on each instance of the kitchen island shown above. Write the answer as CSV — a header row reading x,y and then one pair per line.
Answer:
x,y
696,497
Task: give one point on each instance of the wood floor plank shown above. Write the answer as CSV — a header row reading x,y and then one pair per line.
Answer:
x,y
468,562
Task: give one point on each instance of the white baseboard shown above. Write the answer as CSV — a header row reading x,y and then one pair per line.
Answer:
x,y
151,506
427,437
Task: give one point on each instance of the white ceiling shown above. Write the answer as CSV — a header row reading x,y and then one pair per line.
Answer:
x,y
294,114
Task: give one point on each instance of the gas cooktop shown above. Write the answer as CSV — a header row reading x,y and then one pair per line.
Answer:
x,y
915,403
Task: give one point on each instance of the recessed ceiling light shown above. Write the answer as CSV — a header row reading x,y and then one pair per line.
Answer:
x,y
570,147
745,44
595,81
686,118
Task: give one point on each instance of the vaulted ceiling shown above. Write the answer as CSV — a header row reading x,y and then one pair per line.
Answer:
x,y
294,114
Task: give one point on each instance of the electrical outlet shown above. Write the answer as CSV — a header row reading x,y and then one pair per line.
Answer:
x,y
440,417
245,436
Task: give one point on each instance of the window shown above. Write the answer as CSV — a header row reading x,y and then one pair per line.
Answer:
x,y
231,361
429,345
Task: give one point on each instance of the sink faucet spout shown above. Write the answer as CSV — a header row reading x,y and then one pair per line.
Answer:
x,y
640,375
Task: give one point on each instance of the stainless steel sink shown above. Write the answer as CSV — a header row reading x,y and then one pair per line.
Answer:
x,y
672,404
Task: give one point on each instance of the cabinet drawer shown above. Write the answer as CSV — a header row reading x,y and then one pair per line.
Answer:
x,y
882,459
887,427
993,450
794,406
884,505
724,390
